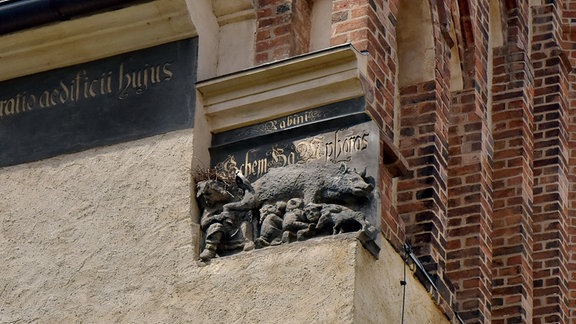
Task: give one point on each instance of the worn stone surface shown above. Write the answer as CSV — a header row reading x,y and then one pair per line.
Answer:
x,y
295,283
102,235
378,293
331,279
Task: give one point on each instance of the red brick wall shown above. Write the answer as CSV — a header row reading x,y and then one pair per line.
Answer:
x,y
282,29
512,114
469,236
550,167
569,39
512,209
422,193
489,204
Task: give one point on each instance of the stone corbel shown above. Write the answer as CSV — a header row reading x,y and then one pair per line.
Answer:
x,y
227,11
281,88
392,158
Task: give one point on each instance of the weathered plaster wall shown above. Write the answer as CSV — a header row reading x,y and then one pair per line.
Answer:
x,y
323,280
101,235
378,293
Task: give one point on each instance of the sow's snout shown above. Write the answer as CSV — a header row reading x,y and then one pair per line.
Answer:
x,y
369,187
363,188
358,184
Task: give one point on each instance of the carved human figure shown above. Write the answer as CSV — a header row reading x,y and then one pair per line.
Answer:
x,y
294,202
224,230
295,224
271,224
313,212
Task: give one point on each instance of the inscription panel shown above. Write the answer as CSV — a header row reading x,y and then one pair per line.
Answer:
x,y
117,99
353,110
352,145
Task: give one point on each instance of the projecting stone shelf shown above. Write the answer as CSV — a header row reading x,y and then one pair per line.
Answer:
x,y
282,88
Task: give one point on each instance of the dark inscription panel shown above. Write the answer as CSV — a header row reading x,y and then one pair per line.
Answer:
x,y
117,99
356,146
337,133
340,113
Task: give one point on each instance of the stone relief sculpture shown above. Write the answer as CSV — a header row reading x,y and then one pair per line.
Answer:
x,y
224,231
271,219
287,204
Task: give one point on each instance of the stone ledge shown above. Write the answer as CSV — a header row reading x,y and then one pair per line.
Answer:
x,y
228,12
94,37
282,88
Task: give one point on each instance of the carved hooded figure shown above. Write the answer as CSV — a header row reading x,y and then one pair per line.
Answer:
x,y
224,230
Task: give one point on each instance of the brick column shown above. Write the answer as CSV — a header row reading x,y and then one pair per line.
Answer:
x,y
422,194
512,225
370,27
569,38
469,246
572,201
512,116
551,70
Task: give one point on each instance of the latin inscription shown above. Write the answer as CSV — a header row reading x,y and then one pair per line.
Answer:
x,y
113,100
82,86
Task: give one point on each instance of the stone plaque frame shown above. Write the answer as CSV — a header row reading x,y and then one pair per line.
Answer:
x,y
108,101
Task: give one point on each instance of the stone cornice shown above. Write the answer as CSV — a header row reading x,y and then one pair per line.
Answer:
x,y
93,37
227,11
282,88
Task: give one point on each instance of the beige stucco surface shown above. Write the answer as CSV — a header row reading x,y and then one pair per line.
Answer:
x,y
106,236
293,283
323,280
378,292
99,236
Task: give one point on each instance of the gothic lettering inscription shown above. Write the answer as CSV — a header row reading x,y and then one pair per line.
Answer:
x,y
83,85
108,101
293,120
337,146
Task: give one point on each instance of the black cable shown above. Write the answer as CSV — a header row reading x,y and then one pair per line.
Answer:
x,y
403,282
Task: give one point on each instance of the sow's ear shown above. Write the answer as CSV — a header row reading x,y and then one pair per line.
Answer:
x,y
342,168
362,174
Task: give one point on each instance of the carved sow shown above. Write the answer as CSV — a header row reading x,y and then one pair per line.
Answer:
x,y
314,183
